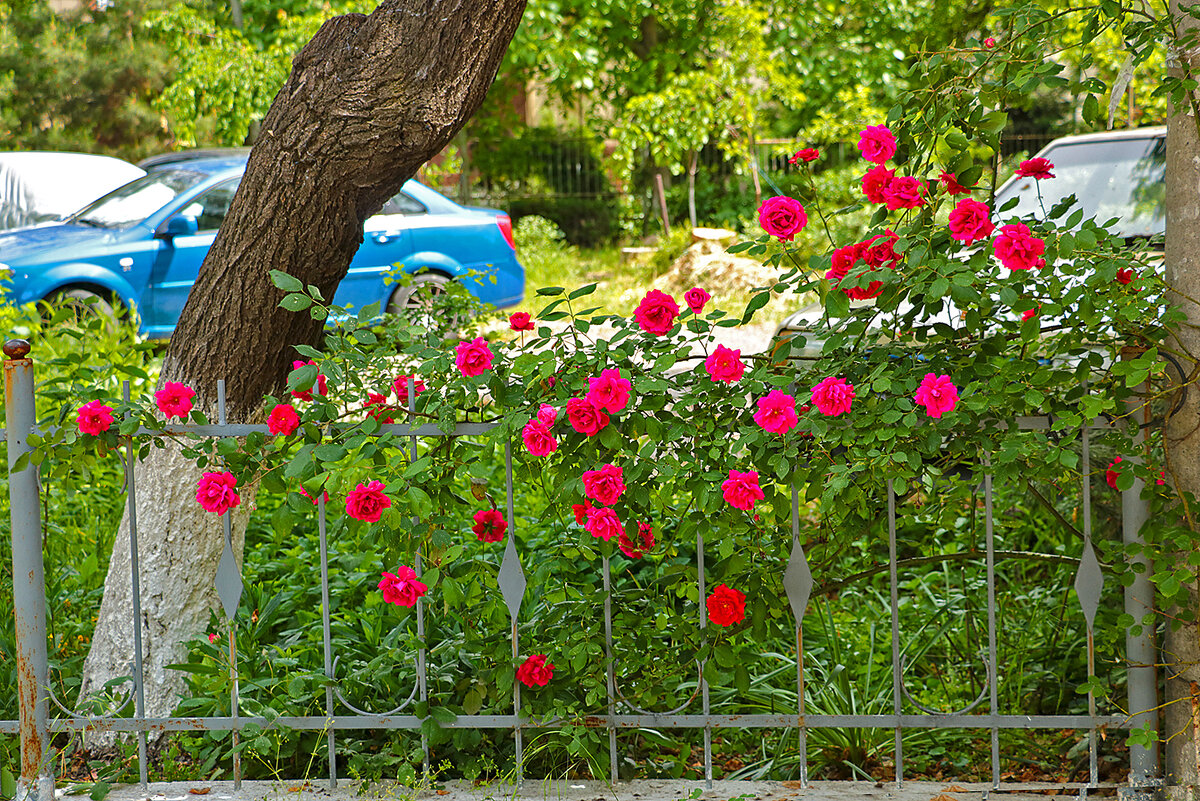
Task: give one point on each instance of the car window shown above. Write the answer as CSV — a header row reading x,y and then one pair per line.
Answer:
x,y
401,203
137,200
1122,178
210,208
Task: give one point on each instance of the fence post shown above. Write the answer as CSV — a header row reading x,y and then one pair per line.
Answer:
x,y
29,587
1140,649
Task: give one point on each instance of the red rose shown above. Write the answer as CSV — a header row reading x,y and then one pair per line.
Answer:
x,y
782,217
1018,249
306,395
696,298
806,154
1035,168
741,490
367,501
875,182
585,417
877,143
656,313
535,671
726,606
400,387
490,525
970,221
603,523
283,419
605,485
520,322
376,406
904,192
951,184
1112,473
646,542
1124,275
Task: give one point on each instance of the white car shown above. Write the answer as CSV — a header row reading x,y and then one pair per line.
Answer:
x,y
41,186
1115,174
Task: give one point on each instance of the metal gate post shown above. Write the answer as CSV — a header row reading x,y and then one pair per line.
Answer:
x,y
29,587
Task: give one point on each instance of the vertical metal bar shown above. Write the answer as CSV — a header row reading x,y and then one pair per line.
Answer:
x,y
894,581
703,681
36,782
135,591
327,640
1140,648
222,419
802,729
993,677
422,667
1086,473
610,673
518,735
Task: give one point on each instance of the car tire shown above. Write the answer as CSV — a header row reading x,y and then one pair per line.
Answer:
x,y
86,303
415,301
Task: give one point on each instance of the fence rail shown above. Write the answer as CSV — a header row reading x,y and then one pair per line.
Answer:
x,y
36,724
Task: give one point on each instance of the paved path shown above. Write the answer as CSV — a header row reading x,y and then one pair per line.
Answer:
x,y
574,790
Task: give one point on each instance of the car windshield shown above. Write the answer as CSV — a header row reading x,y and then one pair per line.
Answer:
x,y
1122,178
138,199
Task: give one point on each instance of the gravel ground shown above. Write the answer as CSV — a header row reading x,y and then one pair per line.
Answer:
x,y
574,790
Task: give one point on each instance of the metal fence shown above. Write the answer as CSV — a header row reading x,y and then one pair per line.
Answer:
x,y
36,724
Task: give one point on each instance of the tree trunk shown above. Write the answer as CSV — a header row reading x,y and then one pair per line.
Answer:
x,y
692,166
1182,260
368,101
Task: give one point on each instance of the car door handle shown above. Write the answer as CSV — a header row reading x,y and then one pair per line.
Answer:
x,y
383,237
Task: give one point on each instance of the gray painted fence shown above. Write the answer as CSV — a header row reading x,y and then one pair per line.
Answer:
x,y
36,724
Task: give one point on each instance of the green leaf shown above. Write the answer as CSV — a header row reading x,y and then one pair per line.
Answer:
x,y
296,302
286,282
550,290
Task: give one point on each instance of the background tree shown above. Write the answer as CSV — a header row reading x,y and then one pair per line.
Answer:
x,y
368,101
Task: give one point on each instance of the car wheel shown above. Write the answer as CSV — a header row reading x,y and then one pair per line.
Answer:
x,y
85,304
417,302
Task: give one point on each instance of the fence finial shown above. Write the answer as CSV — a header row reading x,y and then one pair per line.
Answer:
x,y
16,348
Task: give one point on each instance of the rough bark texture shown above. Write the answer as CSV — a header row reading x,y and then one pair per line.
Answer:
x,y
1182,648
369,100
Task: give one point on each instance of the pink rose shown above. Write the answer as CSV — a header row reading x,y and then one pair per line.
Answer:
x,y
215,492
806,154
400,387
174,400
212,638
1025,315
989,43
695,298
490,525
937,394
585,417
538,439
367,501
725,364
603,523
880,250
877,143
547,414
904,192
656,313
283,420
1035,168
324,496
402,588
473,358
376,406
306,394
833,396
580,511
951,185
776,412
876,182
782,217
1018,249
520,321
741,490
645,542
1112,473
609,392
94,418
970,221
604,485
535,671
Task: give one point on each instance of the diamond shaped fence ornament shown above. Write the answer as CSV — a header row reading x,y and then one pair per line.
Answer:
x,y
797,581
228,582
511,578
1089,580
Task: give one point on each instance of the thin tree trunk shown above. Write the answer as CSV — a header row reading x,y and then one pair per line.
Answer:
x,y
1182,259
369,100
692,188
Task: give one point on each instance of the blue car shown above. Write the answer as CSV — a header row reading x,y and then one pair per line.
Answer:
x,y
142,245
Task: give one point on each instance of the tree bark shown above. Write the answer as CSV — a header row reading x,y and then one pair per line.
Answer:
x,y
369,100
1182,261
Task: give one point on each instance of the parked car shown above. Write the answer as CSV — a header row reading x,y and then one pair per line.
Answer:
x,y
36,186
142,245
1115,174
